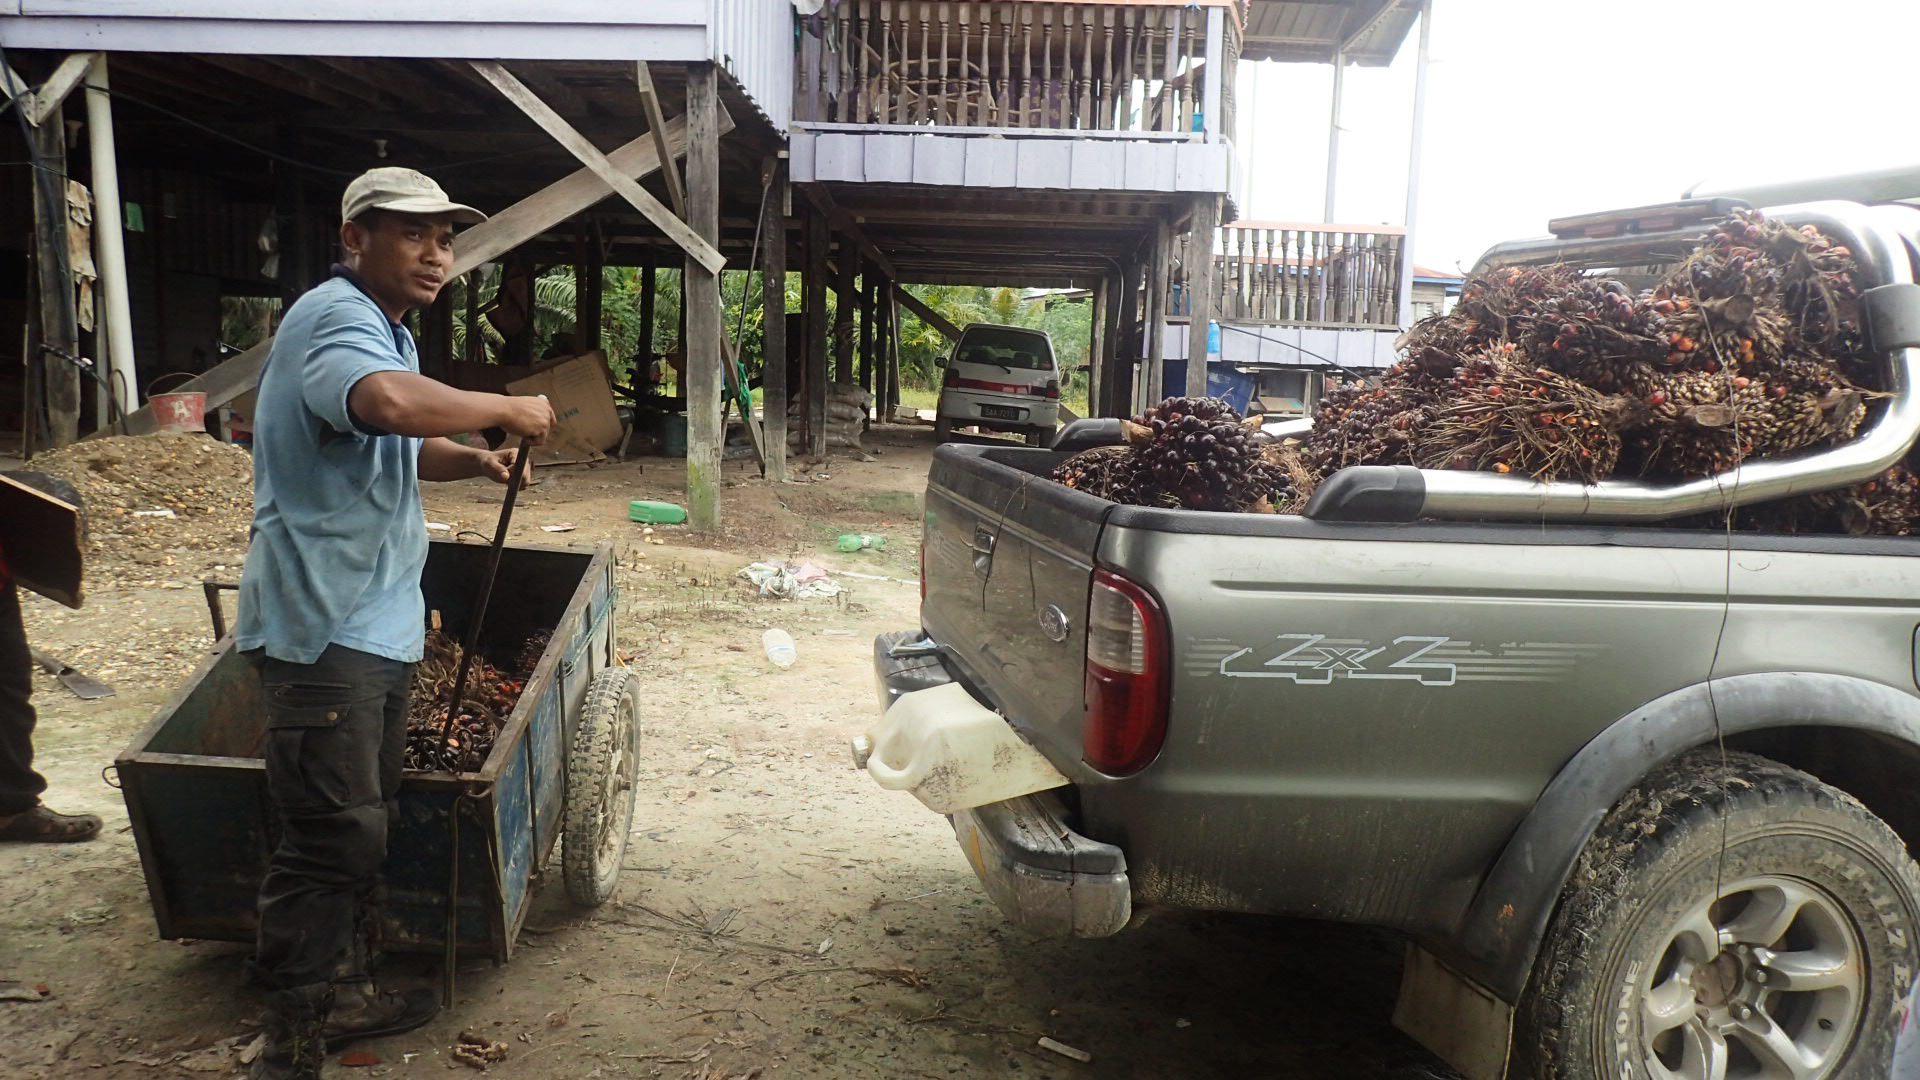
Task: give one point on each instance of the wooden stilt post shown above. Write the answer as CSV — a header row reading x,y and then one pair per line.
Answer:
x,y
1159,261
846,300
815,307
1131,334
589,275
883,350
868,279
59,324
649,292
701,301
1098,339
1206,214
893,347
773,329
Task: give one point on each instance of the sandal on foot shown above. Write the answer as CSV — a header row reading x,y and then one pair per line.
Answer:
x,y
40,825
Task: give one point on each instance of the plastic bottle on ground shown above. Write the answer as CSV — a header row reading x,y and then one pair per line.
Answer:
x,y
780,648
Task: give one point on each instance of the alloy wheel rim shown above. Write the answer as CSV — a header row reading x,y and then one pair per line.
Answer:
x,y
1765,982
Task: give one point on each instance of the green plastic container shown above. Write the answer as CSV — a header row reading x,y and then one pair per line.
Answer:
x,y
656,513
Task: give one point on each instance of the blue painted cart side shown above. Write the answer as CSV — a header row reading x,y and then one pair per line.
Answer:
x,y
195,786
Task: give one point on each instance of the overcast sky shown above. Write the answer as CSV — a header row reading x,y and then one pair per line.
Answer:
x,y
1541,108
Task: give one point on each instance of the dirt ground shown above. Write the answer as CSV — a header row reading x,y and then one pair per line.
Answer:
x,y
779,915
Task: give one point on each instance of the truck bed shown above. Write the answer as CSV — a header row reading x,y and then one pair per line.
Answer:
x,y
1362,714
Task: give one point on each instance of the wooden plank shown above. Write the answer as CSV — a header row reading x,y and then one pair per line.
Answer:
x,y
701,296
46,101
559,201
59,340
657,127
590,155
926,314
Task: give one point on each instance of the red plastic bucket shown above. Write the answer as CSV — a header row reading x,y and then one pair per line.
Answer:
x,y
179,412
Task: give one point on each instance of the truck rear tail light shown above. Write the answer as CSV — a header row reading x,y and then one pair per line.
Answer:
x,y
950,377
1127,675
1053,388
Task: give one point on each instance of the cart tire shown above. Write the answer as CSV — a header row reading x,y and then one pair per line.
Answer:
x,y
602,767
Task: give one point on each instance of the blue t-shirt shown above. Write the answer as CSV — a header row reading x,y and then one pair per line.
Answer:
x,y
339,538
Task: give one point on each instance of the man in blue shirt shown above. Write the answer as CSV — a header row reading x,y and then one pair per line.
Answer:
x,y
330,604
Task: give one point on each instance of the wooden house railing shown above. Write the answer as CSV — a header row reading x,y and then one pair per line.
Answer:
x,y
1094,69
1301,275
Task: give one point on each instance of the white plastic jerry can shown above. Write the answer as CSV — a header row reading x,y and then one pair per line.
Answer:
x,y
952,753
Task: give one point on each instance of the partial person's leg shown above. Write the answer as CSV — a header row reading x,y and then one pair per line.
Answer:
x,y
22,818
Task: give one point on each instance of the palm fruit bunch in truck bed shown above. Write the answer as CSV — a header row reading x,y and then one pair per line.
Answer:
x,y
1746,346
1191,452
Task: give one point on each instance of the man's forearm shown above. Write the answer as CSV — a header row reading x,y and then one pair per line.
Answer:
x,y
444,460
402,403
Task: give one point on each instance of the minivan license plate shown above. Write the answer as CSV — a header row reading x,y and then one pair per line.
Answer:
x,y
1001,412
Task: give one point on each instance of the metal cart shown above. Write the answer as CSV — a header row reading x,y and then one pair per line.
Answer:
x,y
465,850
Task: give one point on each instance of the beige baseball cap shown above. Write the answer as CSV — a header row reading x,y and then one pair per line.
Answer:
x,y
403,191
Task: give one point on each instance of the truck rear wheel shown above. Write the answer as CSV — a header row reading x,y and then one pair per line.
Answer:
x,y
1731,919
942,428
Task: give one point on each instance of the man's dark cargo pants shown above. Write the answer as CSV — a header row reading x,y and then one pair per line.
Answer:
x,y
20,786
336,736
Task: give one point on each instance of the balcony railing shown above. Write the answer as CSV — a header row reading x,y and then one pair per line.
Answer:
x,y
1092,69
1301,275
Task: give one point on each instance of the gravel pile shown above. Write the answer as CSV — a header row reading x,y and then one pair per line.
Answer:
x,y
161,509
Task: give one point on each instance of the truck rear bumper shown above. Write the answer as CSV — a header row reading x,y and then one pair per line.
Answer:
x,y
1046,878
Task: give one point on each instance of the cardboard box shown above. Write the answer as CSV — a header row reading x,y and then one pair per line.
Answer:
x,y
582,398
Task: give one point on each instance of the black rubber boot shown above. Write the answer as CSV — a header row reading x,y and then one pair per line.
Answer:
x,y
296,1041
364,1011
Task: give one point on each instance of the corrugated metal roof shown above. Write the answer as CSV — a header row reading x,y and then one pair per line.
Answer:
x,y
1310,31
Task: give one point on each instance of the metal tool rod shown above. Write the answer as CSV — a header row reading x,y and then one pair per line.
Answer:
x,y
467,647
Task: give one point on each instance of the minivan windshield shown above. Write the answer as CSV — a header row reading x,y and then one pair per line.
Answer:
x,y
1006,348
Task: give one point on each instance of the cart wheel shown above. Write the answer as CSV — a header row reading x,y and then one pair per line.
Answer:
x,y
601,768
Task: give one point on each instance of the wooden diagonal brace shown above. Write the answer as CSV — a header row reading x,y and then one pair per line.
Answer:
x,y
37,105
650,101
927,315
540,113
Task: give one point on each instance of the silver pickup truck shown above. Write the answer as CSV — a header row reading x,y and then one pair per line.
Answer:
x,y
1639,797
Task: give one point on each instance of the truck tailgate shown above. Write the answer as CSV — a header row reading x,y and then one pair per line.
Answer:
x,y
1009,562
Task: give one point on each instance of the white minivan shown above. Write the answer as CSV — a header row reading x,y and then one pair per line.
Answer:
x,y
1000,378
